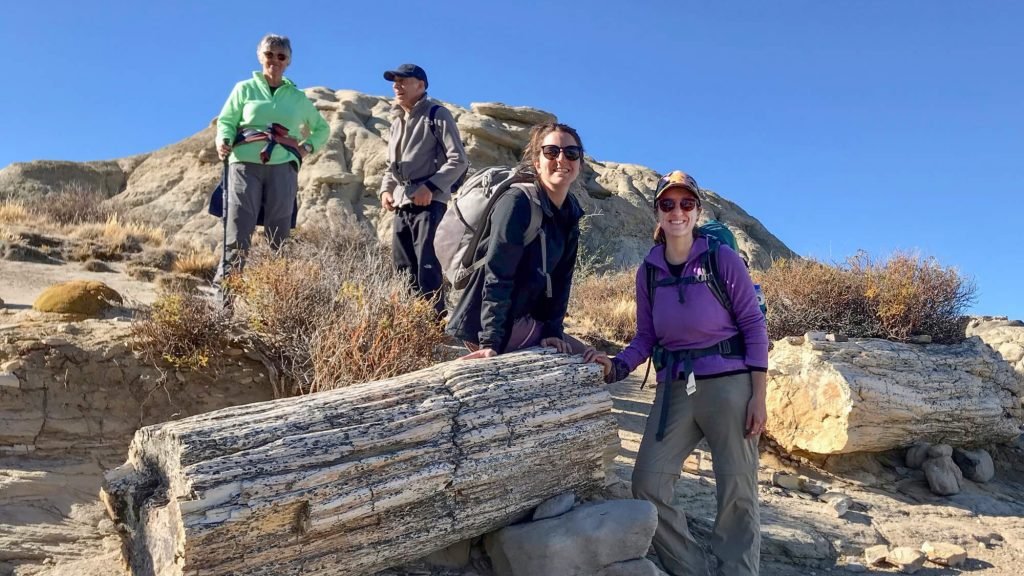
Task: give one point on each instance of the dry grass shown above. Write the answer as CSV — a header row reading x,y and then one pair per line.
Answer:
x,y
73,204
197,261
15,212
605,305
330,311
903,296
184,330
124,235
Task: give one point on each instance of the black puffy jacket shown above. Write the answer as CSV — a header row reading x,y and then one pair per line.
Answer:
x,y
510,284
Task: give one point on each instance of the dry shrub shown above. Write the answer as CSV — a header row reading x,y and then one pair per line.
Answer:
x,y
914,295
74,203
184,330
331,311
122,236
605,304
804,295
904,296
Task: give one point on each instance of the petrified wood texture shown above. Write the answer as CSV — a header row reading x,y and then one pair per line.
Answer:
x,y
357,479
872,395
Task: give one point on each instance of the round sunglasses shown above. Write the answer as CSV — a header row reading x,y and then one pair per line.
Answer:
x,y
271,55
551,152
667,205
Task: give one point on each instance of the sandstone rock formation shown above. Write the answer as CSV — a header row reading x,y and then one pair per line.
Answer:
x,y
357,479
339,185
874,395
1005,337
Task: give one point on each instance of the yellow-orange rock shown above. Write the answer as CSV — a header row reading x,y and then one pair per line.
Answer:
x,y
80,297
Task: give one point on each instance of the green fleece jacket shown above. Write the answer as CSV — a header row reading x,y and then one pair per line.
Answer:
x,y
251,105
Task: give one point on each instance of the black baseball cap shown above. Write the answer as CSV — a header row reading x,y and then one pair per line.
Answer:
x,y
406,71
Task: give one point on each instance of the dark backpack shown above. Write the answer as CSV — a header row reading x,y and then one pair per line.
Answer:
x,y
440,144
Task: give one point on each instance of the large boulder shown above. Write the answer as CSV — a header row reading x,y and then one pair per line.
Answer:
x,y
871,395
339,185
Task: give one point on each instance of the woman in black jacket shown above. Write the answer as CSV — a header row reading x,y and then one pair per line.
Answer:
x,y
514,300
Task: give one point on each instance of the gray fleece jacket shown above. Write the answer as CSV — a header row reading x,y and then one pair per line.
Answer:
x,y
416,156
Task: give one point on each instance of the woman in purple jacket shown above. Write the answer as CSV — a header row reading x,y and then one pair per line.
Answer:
x,y
712,364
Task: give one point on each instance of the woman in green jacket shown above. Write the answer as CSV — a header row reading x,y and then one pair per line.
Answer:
x,y
259,133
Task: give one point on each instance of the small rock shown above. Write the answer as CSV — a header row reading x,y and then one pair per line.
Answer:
x,y
836,338
906,559
67,329
812,487
55,341
234,352
555,506
921,339
105,525
917,454
9,380
976,465
12,365
814,336
940,451
944,553
837,502
875,555
944,478
856,567
786,481
795,340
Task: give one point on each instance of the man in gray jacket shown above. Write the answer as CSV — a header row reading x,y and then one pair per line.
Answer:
x,y
425,161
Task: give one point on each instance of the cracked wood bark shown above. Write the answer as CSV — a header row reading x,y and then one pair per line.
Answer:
x,y
873,395
358,479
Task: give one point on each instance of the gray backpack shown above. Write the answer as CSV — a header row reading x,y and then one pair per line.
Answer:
x,y
463,226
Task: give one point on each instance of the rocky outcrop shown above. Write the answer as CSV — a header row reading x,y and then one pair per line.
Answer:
x,y
30,179
873,395
339,184
354,480
80,390
1005,337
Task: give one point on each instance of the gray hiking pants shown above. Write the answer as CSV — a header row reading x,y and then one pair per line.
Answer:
x,y
716,411
271,187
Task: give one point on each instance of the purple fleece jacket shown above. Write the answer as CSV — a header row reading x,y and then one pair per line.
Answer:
x,y
700,321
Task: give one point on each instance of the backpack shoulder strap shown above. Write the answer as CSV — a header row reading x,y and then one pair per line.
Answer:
x,y
710,265
651,274
536,212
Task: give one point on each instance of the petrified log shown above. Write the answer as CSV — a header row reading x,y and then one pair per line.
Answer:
x,y
872,395
354,480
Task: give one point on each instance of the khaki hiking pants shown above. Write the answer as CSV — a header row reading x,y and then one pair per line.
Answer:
x,y
716,411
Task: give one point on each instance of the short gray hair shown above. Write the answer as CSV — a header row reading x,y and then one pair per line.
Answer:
x,y
274,41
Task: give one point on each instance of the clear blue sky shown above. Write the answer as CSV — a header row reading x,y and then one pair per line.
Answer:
x,y
841,125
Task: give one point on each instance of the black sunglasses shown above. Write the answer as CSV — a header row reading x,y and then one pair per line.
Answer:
x,y
271,55
551,152
667,205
